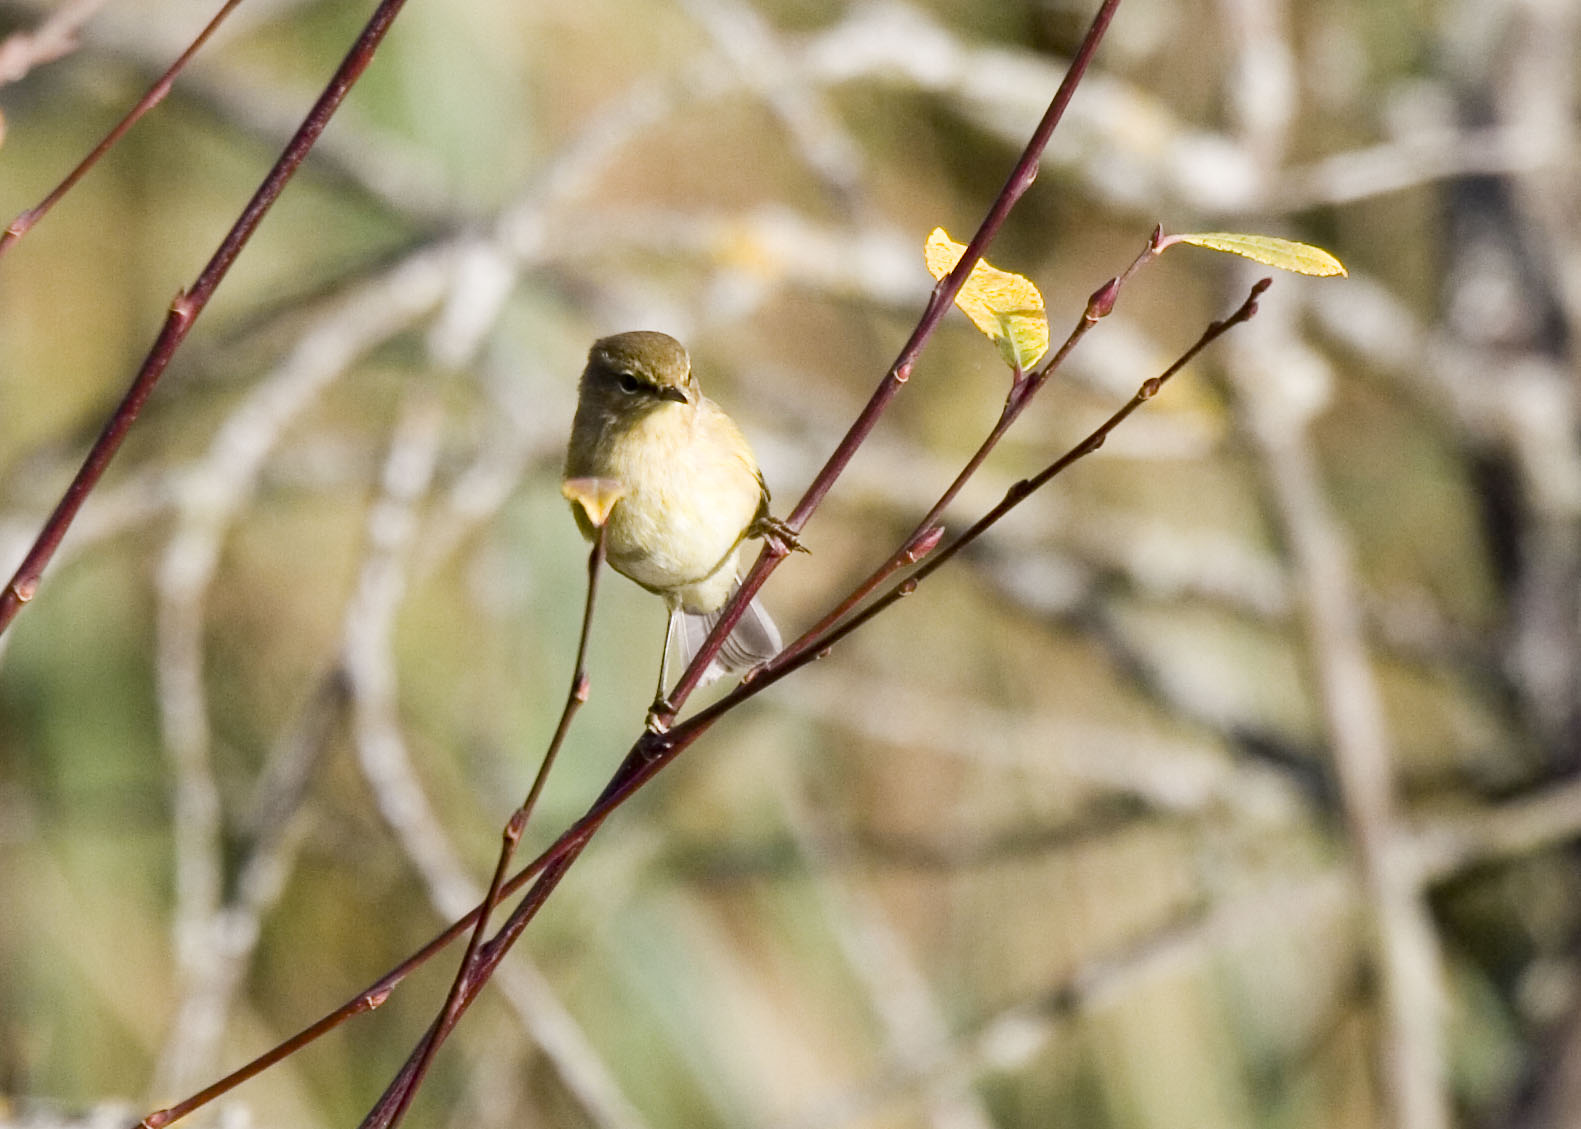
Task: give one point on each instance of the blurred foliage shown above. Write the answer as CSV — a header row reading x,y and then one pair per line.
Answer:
x,y
1057,842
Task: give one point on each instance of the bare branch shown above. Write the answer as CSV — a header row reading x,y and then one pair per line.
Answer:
x,y
186,308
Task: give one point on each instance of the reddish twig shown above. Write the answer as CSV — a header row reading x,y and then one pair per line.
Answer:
x,y
470,970
186,308
20,226
944,292
925,537
366,1000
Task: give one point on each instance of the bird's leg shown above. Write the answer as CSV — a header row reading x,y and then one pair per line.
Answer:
x,y
660,702
779,536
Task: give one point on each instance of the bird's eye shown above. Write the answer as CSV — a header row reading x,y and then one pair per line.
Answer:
x,y
629,384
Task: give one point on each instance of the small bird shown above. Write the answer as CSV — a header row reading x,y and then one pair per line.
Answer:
x,y
692,492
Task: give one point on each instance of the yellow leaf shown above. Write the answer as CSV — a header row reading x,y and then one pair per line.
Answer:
x,y
595,496
1302,258
1007,307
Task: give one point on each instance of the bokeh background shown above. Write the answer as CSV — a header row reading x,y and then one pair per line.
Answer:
x,y
1228,786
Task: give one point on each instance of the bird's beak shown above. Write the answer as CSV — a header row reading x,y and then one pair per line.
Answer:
x,y
670,392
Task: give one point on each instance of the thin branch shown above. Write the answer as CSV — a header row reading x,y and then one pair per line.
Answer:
x,y
211,494
649,760
186,308
155,95
927,533
396,1097
649,754
510,837
1405,949
53,39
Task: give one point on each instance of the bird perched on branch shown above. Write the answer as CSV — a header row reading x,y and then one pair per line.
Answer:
x,y
691,492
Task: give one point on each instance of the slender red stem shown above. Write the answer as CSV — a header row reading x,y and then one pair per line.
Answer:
x,y
185,310
471,971
155,94
927,533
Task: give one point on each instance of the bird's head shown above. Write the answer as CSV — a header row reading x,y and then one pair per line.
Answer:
x,y
631,374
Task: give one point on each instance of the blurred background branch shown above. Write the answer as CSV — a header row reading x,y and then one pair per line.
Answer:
x,y
1075,840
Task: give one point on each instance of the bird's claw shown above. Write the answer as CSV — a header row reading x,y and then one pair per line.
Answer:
x,y
657,715
779,536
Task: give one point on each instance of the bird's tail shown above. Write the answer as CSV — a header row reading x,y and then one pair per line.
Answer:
x,y
753,640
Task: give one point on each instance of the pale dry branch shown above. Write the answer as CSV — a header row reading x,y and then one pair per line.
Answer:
x,y
224,942
762,64
1293,905
55,38
1418,160
1170,775
1276,403
524,435
901,997
369,661
1536,85
210,498
1448,845
1405,946
106,1115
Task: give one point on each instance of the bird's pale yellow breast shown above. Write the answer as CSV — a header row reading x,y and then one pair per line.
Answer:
x,y
692,492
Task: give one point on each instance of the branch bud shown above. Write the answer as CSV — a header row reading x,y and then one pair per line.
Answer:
x,y
1101,304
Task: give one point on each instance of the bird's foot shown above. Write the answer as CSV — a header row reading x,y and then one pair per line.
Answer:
x,y
779,536
659,715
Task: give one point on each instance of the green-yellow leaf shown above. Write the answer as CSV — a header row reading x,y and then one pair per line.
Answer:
x,y
1007,307
1286,254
